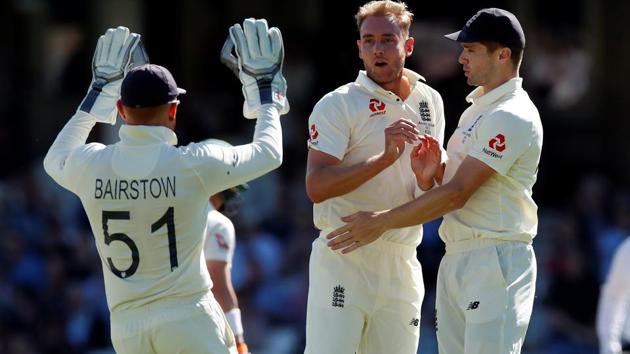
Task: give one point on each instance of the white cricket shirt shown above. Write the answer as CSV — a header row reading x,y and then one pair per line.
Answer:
x,y
503,130
349,124
146,201
613,310
220,237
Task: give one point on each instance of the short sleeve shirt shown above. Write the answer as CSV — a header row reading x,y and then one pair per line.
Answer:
x,y
220,237
503,130
349,124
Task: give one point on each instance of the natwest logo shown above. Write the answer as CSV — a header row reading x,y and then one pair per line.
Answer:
x,y
221,241
314,133
376,105
497,143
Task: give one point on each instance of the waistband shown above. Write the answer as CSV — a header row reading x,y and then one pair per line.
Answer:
x,y
155,312
476,243
380,245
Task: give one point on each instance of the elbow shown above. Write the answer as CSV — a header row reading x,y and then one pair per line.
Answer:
x,y
49,164
274,155
459,198
316,195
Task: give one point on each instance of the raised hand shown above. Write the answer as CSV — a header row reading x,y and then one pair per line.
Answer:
x,y
426,159
397,134
117,51
258,64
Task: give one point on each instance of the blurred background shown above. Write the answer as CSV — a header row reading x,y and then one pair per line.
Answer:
x,y
51,288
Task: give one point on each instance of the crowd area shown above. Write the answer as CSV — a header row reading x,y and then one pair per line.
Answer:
x,y
51,286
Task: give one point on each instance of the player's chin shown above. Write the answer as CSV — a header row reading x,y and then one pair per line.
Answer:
x,y
382,77
471,81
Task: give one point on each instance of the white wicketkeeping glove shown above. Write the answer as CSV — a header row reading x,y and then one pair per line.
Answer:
x,y
116,52
260,53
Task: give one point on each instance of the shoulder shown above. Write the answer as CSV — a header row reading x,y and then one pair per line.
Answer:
x,y
624,250
219,222
430,90
340,95
92,148
89,152
518,104
340,102
514,111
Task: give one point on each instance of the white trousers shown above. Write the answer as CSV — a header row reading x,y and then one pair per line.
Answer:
x,y
173,326
364,302
485,295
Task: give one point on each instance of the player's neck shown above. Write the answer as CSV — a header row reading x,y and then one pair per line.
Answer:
x,y
400,87
498,81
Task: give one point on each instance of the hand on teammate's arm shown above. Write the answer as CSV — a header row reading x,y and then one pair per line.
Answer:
x,y
363,228
325,179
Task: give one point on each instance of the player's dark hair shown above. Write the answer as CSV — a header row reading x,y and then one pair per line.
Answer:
x,y
517,53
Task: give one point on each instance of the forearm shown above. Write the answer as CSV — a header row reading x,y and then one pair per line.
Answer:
x,y
431,205
332,181
268,135
73,135
226,297
263,154
222,284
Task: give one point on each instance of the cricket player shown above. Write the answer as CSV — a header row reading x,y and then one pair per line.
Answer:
x,y
486,281
219,251
613,327
369,302
146,199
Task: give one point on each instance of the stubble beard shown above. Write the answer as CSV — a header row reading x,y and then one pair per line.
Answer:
x,y
388,77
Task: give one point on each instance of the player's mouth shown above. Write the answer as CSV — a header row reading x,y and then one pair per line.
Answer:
x,y
380,63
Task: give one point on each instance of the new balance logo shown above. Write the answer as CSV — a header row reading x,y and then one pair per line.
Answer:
x,y
414,322
473,305
339,296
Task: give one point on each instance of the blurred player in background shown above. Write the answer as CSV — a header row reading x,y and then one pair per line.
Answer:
x,y
146,199
487,279
219,252
613,324
369,302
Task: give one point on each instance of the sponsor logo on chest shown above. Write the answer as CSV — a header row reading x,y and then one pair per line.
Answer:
x,y
424,111
377,107
425,124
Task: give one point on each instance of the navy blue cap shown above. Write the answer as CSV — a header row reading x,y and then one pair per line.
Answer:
x,y
492,25
149,85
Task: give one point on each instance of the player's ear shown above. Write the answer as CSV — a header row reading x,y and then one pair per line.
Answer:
x,y
359,47
172,110
121,111
409,45
505,53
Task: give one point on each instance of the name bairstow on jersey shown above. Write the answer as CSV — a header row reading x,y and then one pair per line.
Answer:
x,y
135,189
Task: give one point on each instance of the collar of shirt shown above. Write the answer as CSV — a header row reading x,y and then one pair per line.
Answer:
x,y
511,85
146,134
365,81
